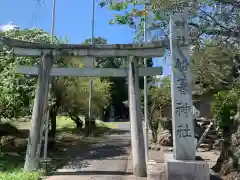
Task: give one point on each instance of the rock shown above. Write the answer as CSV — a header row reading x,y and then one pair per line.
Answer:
x,y
199,158
198,131
7,140
166,123
207,146
202,122
20,143
7,129
7,143
208,141
236,140
232,176
156,148
213,136
167,149
217,144
212,132
13,144
205,120
165,138
215,177
202,150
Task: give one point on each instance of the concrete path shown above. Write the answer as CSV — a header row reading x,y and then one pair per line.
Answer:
x,y
105,160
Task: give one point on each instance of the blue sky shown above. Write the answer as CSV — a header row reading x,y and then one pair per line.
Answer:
x,y
73,20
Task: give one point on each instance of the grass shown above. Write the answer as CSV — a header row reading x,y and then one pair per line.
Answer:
x,y
111,125
11,164
20,175
66,122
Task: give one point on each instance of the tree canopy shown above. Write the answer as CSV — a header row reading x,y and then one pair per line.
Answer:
x,y
213,60
68,94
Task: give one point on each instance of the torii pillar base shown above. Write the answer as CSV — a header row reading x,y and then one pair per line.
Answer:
x,y
186,170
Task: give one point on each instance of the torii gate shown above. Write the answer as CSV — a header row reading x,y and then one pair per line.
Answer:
x,y
45,70
181,164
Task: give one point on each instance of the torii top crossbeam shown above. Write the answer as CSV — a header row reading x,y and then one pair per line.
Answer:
x,y
25,48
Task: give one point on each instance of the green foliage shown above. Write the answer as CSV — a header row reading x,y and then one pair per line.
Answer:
x,y
213,67
159,101
97,40
224,108
206,17
160,97
19,175
18,91
118,90
72,96
212,60
12,166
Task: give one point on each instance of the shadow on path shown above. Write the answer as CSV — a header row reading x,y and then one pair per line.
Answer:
x,y
78,157
112,173
118,132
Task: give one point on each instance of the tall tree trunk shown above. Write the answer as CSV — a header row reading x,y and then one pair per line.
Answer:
x,y
87,127
229,156
223,157
90,126
226,152
154,137
153,130
77,120
53,117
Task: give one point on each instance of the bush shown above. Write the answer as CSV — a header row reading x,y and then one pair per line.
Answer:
x,y
159,100
224,109
11,168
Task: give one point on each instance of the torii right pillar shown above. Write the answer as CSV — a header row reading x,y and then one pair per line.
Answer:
x,y
182,164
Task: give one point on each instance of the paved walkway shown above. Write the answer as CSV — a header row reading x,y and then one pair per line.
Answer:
x,y
107,159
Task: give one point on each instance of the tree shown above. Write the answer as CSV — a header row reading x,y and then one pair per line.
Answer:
x,y
17,91
214,17
70,95
225,107
67,93
159,100
213,67
73,99
119,90
217,20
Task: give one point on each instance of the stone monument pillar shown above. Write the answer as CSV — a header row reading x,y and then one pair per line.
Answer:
x,y
181,165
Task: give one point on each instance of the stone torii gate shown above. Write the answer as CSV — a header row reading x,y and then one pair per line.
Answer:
x,y
45,70
181,164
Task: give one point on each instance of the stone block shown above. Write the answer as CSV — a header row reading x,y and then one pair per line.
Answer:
x,y
186,170
155,170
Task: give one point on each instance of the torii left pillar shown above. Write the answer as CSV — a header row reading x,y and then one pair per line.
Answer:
x,y
137,140
40,103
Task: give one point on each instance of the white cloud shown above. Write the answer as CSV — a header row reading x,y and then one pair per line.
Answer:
x,y
8,27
